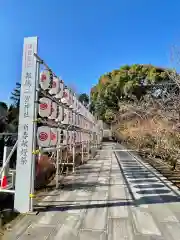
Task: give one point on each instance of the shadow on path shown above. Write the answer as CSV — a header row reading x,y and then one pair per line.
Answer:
x,y
154,199
133,173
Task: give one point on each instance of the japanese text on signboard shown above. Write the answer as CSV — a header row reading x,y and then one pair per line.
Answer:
x,y
29,56
24,144
28,78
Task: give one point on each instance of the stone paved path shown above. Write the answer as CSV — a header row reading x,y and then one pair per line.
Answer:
x,y
114,197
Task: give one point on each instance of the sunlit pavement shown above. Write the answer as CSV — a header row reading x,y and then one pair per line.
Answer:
x,y
114,196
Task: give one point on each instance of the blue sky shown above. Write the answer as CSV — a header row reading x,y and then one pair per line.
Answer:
x,y
80,39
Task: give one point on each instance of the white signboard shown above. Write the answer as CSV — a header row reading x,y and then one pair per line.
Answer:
x,y
26,127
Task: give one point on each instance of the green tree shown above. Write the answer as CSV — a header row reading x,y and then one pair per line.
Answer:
x,y
92,107
3,106
13,116
109,115
15,95
3,116
129,82
84,98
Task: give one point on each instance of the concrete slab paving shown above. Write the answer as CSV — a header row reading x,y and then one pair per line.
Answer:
x,y
120,229
114,196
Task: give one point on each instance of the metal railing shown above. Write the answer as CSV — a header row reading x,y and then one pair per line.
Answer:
x,y
5,171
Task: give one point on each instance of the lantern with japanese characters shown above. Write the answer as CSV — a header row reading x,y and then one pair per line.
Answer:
x,y
86,124
69,137
79,106
59,136
73,118
65,137
45,107
70,100
74,102
70,117
78,119
59,95
55,88
77,139
66,117
82,136
54,137
43,136
54,111
81,121
82,110
65,98
60,114
73,137
46,79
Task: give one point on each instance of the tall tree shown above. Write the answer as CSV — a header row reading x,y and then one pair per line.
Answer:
x,y
128,83
15,95
13,117
84,98
3,116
